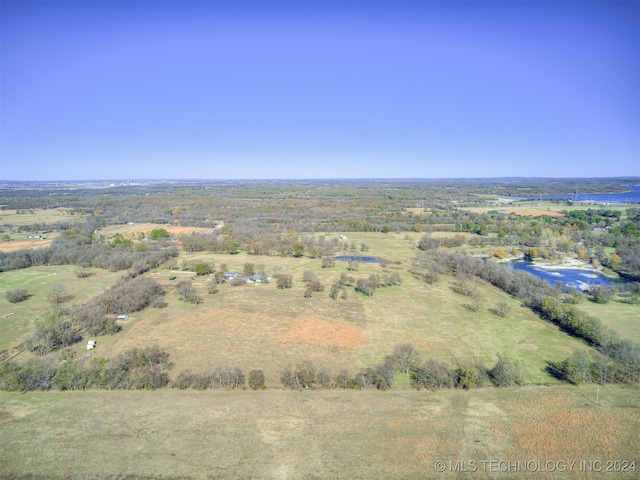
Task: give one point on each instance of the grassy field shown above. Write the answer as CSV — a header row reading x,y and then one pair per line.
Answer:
x,y
38,219
145,228
38,281
278,434
537,208
260,326
623,318
38,216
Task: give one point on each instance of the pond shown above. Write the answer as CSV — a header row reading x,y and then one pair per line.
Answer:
x,y
360,259
573,277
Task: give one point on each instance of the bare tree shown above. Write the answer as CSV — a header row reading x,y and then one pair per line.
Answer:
x,y
503,308
58,294
405,357
467,284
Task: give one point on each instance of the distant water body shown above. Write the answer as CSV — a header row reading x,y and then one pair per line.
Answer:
x,y
573,277
632,196
360,259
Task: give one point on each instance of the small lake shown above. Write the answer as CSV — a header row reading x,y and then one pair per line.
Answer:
x,y
360,259
573,277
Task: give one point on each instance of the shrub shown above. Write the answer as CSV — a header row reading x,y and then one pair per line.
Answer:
x,y
256,379
467,376
432,375
129,295
203,268
17,295
284,281
506,372
158,233
187,292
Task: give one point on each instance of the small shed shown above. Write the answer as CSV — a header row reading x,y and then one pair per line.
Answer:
x,y
123,317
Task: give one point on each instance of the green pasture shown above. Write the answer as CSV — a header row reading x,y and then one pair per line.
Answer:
x,y
524,207
38,216
621,317
38,281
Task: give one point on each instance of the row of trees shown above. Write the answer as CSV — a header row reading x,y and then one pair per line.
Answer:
x,y
405,359
135,369
147,368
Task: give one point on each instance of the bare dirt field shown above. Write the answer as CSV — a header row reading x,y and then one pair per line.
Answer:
x,y
537,433
20,242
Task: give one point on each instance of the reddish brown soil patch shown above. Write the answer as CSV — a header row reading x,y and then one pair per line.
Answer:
x,y
552,426
319,332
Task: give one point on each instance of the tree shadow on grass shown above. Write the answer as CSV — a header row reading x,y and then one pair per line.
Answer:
x,y
555,369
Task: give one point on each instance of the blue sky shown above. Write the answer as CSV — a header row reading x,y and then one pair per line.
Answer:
x,y
330,89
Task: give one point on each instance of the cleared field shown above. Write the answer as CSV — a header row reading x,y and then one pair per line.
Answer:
x,y
623,318
146,228
38,216
537,208
38,219
19,241
260,326
38,281
554,432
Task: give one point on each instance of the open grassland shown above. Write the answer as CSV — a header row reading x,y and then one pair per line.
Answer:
x,y
38,216
623,318
135,229
260,326
537,208
38,281
279,434
39,220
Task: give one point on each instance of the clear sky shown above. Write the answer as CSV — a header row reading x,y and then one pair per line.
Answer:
x,y
329,89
